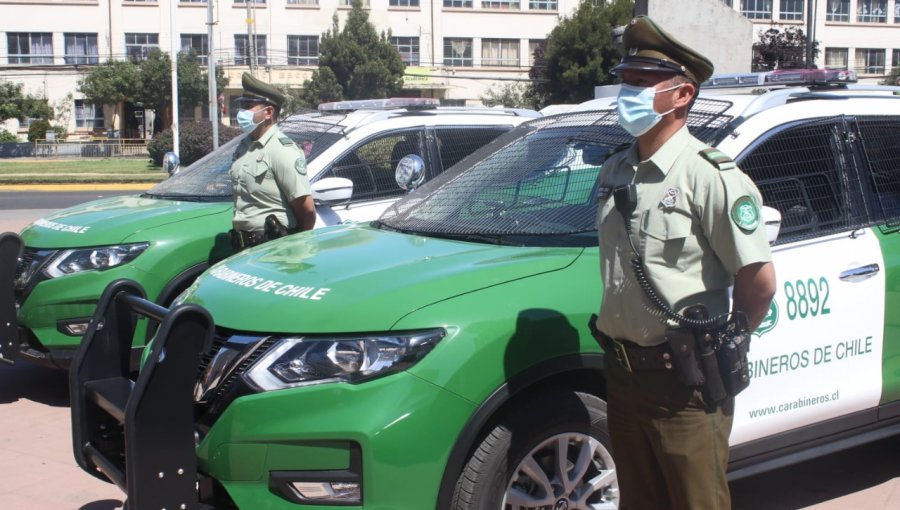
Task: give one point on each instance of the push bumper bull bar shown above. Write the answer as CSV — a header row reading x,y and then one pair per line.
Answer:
x,y
139,434
11,247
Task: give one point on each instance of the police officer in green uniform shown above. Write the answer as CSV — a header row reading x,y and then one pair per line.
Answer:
x,y
268,173
695,229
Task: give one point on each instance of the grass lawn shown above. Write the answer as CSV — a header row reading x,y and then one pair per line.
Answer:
x,y
49,171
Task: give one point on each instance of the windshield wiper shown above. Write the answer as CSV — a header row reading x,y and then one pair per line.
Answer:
x,y
188,198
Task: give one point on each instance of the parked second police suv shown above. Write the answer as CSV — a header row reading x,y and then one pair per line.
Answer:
x,y
166,237
440,356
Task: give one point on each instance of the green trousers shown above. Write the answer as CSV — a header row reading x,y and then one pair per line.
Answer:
x,y
670,449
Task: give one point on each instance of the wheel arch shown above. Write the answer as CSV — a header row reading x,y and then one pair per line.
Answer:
x,y
174,287
582,372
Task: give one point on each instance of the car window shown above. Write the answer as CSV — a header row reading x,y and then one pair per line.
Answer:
x,y
209,178
801,171
372,164
455,143
879,137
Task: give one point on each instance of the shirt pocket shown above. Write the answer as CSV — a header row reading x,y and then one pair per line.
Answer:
x,y
668,239
259,169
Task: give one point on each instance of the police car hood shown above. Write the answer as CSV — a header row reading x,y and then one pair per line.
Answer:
x,y
113,220
351,278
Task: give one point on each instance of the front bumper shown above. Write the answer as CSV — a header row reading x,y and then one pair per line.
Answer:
x,y
391,435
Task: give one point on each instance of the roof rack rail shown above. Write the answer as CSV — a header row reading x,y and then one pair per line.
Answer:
x,y
782,78
410,103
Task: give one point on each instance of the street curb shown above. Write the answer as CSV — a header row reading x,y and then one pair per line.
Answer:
x,y
139,186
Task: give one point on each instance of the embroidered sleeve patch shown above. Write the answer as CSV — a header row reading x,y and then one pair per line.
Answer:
x,y
745,213
300,166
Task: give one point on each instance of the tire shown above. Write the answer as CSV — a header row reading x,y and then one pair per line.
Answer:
x,y
515,468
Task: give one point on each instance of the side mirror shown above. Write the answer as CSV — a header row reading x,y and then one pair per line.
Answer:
x,y
410,172
332,191
772,220
170,163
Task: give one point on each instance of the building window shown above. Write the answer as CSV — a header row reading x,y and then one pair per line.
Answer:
x,y
303,2
199,43
408,48
756,9
243,53
542,5
81,49
869,61
896,11
499,4
349,3
303,50
838,10
403,3
138,46
192,1
791,10
263,2
457,52
30,47
500,52
895,59
87,115
871,11
461,4
836,58
533,45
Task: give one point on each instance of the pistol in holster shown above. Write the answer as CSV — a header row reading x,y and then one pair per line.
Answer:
x,y
273,228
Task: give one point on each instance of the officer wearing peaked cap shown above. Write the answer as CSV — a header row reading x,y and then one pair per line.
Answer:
x,y
691,221
268,172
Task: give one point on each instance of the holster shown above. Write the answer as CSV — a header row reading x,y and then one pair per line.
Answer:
x,y
685,362
734,344
696,361
273,228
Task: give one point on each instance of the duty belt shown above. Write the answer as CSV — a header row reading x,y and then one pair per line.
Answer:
x,y
629,355
241,239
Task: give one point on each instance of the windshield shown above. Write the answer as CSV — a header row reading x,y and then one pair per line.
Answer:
x,y
208,179
535,186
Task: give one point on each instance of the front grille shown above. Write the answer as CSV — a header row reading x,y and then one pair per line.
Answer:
x,y
28,269
24,261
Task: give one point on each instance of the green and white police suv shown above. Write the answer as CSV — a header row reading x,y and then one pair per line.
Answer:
x,y
440,356
167,236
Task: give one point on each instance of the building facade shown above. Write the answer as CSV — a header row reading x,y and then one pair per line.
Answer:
x,y
455,50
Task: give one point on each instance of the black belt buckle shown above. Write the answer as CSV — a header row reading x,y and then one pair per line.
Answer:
x,y
621,355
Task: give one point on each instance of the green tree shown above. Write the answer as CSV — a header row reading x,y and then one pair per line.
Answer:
x,y
893,78
510,95
779,48
15,104
579,53
362,63
111,82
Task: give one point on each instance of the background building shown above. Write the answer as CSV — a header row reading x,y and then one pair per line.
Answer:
x,y
456,50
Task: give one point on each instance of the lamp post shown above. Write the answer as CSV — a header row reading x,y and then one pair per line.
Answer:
x,y
174,50
810,34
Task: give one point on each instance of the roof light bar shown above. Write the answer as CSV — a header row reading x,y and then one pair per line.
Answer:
x,y
410,103
783,77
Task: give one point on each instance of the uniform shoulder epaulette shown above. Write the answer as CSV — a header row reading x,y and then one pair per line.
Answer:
x,y
718,158
285,140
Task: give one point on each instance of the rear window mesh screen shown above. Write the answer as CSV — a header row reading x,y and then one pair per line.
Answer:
x,y
880,139
456,143
538,180
799,172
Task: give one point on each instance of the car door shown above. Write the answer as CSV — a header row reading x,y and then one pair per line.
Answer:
x,y
817,355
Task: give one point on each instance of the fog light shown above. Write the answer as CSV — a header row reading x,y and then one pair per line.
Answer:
x,y
345,492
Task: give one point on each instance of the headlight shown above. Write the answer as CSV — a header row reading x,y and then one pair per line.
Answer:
x,y
300,361
100,258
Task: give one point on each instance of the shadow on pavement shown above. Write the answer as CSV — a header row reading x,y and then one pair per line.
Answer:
x,y
23,380
103,504
820,480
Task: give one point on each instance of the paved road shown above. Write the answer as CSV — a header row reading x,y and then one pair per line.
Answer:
x,y
17,200
39,472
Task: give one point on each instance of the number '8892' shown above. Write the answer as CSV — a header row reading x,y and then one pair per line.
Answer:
x,y
806,298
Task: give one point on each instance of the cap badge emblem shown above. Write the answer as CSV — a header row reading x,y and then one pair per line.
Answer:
x,y
632,51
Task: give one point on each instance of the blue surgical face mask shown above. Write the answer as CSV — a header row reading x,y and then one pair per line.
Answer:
x,y
245,120
635,107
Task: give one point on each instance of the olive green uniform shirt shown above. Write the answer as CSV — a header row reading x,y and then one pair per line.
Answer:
x,y
697,222
266,175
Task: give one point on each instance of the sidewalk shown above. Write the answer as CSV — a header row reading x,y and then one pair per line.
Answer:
x,y
138,186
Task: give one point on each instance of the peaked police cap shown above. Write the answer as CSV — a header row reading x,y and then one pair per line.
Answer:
x,y
650,48
257,91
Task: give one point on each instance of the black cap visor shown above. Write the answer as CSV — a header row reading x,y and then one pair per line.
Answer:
x,y
647,64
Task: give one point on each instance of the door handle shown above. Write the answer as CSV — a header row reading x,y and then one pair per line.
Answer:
x,y
859,273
